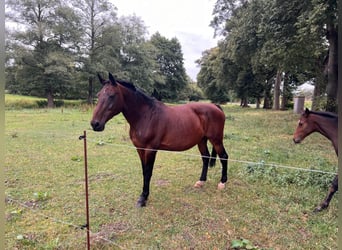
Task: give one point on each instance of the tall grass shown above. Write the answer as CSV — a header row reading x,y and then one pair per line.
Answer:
x,y
19,102
268,206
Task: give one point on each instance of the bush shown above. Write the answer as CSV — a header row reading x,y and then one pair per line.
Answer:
x,y
44,103
41,103
282,177
21,104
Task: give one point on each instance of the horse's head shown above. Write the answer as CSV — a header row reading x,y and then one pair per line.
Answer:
x,y
304,128
110,103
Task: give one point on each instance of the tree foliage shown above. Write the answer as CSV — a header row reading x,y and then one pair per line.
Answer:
x,y
42,58
268,43
55,48
169,58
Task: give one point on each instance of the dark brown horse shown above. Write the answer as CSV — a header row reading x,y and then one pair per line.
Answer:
x,y
153,126
325,123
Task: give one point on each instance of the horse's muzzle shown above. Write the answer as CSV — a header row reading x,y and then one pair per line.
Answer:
x,y
97,126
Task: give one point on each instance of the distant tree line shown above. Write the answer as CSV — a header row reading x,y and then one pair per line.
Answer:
x,y
268,48
55,48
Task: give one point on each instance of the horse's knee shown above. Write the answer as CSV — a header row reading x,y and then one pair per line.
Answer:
x,y
225,155
212,161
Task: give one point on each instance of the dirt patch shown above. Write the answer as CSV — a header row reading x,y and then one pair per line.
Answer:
x,y
162,183
107,233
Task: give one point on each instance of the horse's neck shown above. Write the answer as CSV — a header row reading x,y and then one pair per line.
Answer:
x,y
330,131
135,108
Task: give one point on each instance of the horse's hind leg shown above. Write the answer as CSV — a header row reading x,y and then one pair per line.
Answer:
x,y
212,161
203,148
332,190
224,162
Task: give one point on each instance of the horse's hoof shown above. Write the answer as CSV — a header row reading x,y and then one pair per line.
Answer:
x,y
141,202
221,186
317,210
199,184
321,207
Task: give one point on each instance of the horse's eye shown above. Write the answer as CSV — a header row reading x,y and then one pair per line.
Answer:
x,y
111,97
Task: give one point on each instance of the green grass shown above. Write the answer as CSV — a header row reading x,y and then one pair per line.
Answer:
x,y
270,207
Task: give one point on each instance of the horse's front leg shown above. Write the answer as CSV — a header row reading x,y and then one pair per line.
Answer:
x,y
332,190
147,161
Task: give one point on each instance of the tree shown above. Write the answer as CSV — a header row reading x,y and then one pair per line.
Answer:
x,y
318,24
290,38
222,12
44,65
208,78
97,18
169,58
237,52
137,54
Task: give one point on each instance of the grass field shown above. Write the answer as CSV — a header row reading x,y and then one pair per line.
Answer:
x,y
267,205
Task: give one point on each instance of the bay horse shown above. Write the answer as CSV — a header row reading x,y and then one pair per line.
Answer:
x,y
325,123
156,126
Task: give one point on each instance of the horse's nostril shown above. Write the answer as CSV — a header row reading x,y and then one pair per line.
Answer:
x,y
94,124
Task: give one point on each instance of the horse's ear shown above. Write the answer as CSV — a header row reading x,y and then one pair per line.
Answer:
x,y
306,112
111,79
102,81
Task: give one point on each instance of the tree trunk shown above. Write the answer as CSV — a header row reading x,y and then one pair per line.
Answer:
x,y
316,98
244,102
50,100
332,86
320,84
268,96
277,90
285,94
90,90
258,103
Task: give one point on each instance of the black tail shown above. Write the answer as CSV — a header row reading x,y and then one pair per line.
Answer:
x,y
212,161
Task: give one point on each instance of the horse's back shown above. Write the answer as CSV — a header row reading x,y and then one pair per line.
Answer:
x,y
206,118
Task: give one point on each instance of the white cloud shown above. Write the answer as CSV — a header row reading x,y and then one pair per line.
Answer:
x,y
188,20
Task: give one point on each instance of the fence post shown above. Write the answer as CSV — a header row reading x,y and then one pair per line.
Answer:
x,y
84,137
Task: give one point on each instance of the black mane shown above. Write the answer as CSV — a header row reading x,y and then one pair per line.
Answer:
x,y
325,114
137,91
127,84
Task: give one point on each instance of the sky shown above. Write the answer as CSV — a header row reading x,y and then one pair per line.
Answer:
x,y
187,20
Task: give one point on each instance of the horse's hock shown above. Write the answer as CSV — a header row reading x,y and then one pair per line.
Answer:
x,y
298,106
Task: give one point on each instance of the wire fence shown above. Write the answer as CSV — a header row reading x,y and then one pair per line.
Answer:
x,y
275,165
109,241
59,221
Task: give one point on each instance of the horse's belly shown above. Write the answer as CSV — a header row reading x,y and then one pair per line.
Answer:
x,y
175,146
182,139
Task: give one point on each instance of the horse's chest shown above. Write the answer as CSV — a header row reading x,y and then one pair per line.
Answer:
x,y
140,137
